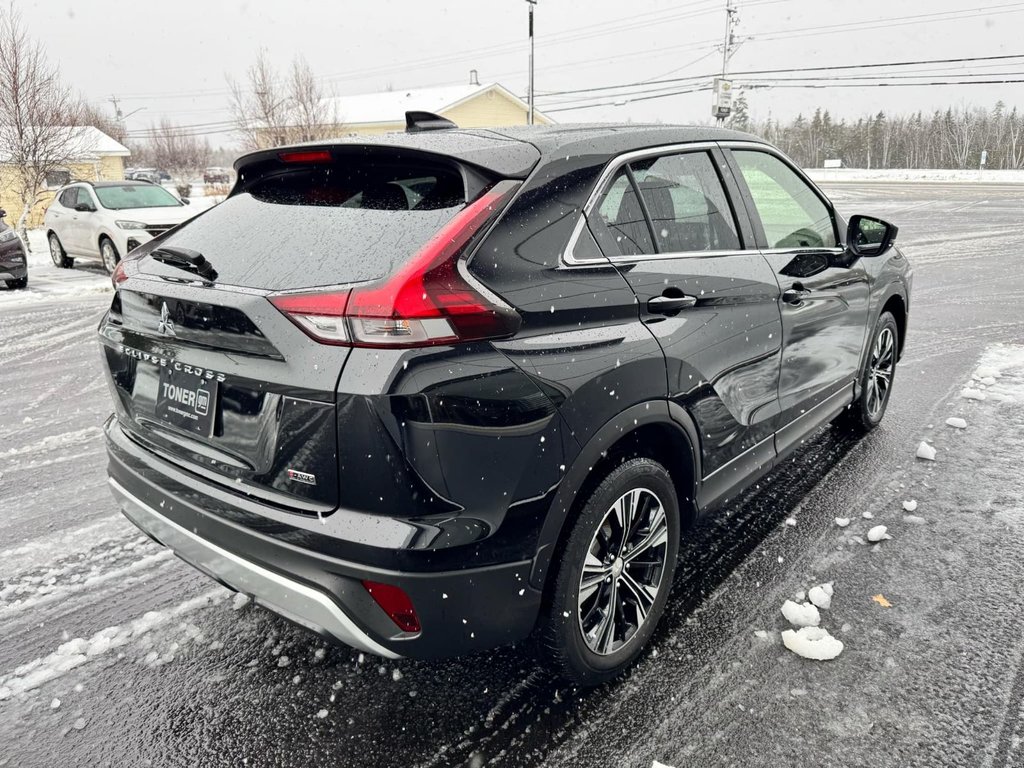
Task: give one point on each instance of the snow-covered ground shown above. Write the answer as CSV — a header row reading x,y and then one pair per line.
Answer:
x,y
972,176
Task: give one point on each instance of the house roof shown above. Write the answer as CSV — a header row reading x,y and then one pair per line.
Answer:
x,y
391,106
86,143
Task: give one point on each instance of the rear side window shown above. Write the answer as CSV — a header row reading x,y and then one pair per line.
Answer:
x,y
792,215
687,204
327,225
619,225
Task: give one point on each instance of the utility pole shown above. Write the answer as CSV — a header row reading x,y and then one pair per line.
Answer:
x,y
722,104
529,114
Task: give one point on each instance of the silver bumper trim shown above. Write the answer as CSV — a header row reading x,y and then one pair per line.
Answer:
x,y
293,600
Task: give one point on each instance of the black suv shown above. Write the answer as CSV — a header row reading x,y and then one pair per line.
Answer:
x,y
13,263
429,393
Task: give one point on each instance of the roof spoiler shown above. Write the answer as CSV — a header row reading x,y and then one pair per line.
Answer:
x,y
426,121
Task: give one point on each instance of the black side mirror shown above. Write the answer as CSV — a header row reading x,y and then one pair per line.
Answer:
x,y
868,236
2,213
84,208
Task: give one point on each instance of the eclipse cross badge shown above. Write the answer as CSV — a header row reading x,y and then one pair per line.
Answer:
x,y
166,326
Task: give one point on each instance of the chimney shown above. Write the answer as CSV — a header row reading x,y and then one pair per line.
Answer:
x,y
473,79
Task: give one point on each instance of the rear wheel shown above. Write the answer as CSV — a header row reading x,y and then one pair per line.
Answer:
x,y
14,285
865,413
109,254
615,574
58,254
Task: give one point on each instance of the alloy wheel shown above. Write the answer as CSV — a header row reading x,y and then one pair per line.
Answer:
x,y
883,361
55,251
622,574
109,255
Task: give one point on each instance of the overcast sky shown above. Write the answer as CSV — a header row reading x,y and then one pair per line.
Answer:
x,y
171,58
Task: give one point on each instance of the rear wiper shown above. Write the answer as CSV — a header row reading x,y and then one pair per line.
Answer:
x,y
184,258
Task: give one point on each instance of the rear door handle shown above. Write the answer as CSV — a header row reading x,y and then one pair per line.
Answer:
x,y
667,305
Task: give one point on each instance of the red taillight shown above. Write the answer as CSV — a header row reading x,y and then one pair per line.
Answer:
x,y
305,156
430,300
395,603
124,269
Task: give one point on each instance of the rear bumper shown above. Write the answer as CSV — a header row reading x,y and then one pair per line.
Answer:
x,y
283,569
305,606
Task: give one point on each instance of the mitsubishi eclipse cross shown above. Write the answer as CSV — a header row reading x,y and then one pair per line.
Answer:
x,y
433,392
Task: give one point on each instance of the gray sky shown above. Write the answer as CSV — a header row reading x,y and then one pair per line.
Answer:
x,y
172,58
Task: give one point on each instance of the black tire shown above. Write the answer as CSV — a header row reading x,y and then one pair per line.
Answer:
x,y
58,255
109,255
571,628
21,282
866,412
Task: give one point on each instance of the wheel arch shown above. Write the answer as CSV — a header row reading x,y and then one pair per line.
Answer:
x,y
897,305
659,430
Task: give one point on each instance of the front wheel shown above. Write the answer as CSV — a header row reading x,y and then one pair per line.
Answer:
x,y
615,574
59,256
109,254
865,413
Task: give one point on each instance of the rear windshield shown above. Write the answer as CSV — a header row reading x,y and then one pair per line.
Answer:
x,y
325,226
135,196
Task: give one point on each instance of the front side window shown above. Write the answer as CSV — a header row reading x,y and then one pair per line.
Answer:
x,y
618,223
792,215
127,196
687,204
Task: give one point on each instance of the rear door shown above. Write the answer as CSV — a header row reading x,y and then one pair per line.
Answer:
x,y
63,217
208,373
708,297
824,291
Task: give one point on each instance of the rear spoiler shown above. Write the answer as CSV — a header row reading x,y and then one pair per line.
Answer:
x,y
426,121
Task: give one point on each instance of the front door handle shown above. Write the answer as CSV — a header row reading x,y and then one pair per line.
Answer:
x,y
795,295
668,305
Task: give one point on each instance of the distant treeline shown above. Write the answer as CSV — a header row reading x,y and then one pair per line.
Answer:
x,y
951,139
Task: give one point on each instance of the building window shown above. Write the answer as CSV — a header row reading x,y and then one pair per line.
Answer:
x,y
55,179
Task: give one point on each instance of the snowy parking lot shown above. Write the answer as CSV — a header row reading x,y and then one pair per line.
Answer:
x,y
113,652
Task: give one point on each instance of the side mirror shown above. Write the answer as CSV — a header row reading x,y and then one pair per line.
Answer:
x,y
84,208
868,236
186,201
2,213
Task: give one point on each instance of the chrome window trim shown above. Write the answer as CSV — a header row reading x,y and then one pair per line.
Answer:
x,y
601,187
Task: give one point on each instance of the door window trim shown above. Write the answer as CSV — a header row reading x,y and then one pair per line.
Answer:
x,y
731,192
748,200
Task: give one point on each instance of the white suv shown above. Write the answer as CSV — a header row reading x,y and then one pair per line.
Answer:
x,y
107,219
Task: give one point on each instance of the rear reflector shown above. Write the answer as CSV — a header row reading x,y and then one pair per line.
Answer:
x,y
395,603
431,299
305,156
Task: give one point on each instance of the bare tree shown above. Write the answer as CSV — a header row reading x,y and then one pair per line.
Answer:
x,y
180,153
270,109
38,114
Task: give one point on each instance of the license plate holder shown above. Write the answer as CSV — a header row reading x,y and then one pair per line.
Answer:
x,y
186,401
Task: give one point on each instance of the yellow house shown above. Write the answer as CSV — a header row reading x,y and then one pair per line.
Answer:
x,y
476,105
96,157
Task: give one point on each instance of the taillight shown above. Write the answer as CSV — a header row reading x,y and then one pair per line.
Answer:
x,y
429,300
125,268
305,156
395,603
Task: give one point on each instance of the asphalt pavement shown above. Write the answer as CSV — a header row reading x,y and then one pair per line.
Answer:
x,y
114,653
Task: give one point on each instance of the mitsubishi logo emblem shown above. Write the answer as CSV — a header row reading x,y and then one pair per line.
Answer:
x,y
166,326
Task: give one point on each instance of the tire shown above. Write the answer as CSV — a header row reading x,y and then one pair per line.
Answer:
x,y
575,633
18,284
59,256
109,254
876,378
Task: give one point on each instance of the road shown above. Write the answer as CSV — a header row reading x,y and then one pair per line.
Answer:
x,y
114,653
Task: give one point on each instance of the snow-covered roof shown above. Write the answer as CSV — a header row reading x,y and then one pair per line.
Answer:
x,y
86,143
391,106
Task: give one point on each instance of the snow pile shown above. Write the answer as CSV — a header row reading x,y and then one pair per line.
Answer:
x,y
821,595
878,533
925,451
842,522
801,614
955,421
910,505
970,393
812,643
868,515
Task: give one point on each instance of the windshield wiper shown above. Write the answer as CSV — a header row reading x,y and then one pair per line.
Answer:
x,y
186,259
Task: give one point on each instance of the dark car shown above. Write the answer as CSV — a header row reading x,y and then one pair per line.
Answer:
x,y
13,262
216,176
426,394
